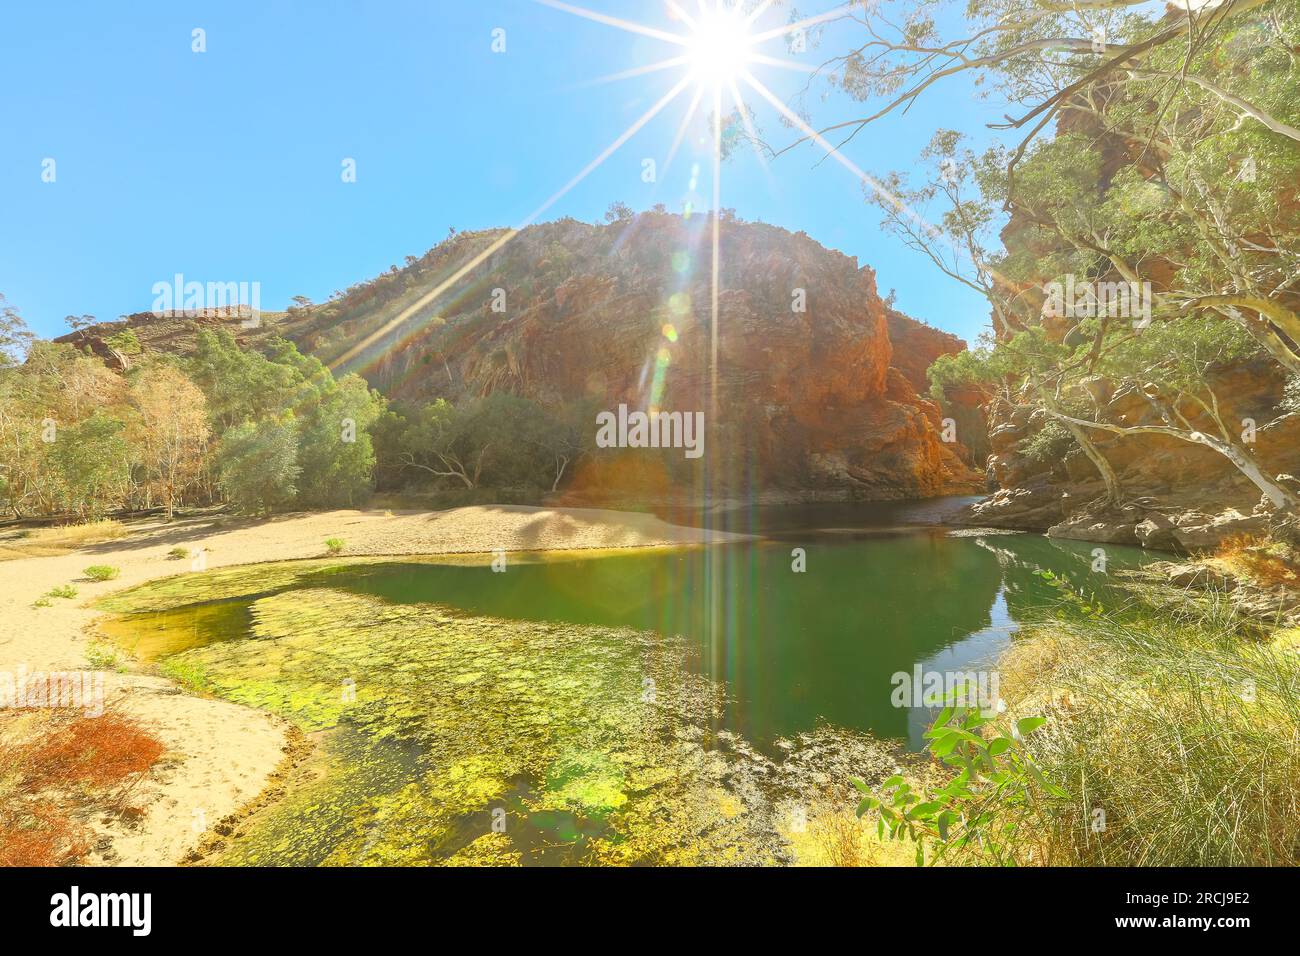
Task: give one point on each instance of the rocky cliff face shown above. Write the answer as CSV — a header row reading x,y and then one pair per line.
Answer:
x,y
916,346
816,391
1177,495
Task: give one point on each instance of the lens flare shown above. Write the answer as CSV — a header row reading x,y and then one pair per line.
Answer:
x,y
717,49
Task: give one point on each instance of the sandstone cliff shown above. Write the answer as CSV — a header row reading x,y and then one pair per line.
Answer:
x,y
817,391
1175,495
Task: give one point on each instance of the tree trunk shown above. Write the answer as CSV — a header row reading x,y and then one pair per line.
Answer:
x,y
1280,497
1108,476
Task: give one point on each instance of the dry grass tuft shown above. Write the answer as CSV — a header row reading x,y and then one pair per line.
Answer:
x,y
61,539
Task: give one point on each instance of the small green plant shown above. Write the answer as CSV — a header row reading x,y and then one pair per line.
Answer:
x,y
104,657
1086,604
102,572
335,545
68,591
178,553
189,674
996,786
42,601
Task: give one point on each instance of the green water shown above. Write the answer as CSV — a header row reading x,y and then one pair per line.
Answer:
x,y
665,706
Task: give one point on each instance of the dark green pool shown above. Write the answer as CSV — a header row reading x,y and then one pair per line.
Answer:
x,y
790,648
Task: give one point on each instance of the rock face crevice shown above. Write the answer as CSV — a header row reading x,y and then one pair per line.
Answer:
x,y
817,391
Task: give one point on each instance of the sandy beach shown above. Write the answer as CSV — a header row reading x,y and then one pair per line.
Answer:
x,y
220,755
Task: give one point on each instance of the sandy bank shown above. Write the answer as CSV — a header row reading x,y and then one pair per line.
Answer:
x,y
220,754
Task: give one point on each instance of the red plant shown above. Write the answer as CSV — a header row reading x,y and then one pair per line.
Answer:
x,y
40,834
100,751
70,768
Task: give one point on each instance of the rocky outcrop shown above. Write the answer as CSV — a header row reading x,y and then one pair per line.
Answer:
x,y
1270,604
1177,496
1174,494
810,387
916,346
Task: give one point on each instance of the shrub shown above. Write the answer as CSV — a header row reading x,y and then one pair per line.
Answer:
x,y
102,572
46,758
258,465
335,545
62,591
103,657
40,834
178,553
96,751
996,790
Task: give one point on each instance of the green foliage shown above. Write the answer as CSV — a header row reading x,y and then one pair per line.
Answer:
x,y
337,454
67,591
15,337
1291,397
501,441
333,460
104,657
101,572
125,341
1180,734
1049,444
240,384
258,465
1179,355
969,367
335,545
187,673
91,464
980,809
178,553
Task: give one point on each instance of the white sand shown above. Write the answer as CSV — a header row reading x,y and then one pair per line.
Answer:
x,y
220,755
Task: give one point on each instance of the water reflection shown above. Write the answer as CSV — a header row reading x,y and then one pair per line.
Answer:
x,y
792,647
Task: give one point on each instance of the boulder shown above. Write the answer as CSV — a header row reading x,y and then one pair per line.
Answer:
x,y
1156,531
1197,531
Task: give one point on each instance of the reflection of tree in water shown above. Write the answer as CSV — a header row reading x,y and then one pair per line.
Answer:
x,y
1021,556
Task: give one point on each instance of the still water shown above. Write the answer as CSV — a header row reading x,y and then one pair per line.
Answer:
x,y
881,590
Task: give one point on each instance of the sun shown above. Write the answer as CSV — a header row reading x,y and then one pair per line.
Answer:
x,y
718,46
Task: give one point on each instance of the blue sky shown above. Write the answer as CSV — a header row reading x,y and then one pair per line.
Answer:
x,y
225,165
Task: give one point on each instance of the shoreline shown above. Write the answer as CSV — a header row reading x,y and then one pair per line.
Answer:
x,y
226,761
221,757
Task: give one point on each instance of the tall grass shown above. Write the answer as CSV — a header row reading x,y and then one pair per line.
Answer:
x,y
61,539
1175,724
76,535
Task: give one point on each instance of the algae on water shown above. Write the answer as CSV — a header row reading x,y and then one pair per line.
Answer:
x,y
468,740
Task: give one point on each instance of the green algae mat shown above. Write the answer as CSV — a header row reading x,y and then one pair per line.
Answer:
x,y
677,706
447,738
